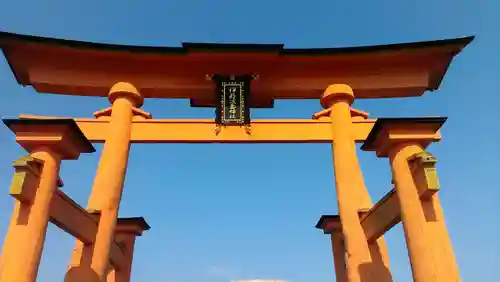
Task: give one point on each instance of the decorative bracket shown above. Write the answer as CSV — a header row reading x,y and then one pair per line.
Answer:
x,y
355,113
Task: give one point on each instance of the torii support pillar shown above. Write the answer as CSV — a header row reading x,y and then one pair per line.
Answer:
x,y
330,224
127,230
365,262
48,142
403,141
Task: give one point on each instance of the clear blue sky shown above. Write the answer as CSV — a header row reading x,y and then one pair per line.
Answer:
x,y
204,228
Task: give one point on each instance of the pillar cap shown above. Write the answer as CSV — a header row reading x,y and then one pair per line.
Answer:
x,y
334,92
135,225
62,136
388,131
329,223
125,89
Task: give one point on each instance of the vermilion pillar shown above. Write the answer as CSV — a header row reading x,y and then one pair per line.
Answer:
x,y
425,177
428,243
127,230
48,142
412,214
339,255
330,224
442,246
352,195
110,174
108,184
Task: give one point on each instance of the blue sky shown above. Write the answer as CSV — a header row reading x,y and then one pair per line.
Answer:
x,y
206,229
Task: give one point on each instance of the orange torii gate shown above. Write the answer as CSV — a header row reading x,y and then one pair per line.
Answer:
x,y
232,78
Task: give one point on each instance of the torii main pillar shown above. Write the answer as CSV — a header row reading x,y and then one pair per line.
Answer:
x,y
110,176
365,262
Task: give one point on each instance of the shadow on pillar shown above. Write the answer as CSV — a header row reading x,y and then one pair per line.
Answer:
x,y
429,211
366,273
81,274
375,270
24,214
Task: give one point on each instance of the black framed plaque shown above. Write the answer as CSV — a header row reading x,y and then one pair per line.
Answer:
x,y
233,93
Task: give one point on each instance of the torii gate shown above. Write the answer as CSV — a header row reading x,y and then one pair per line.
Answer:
x,y
129,74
